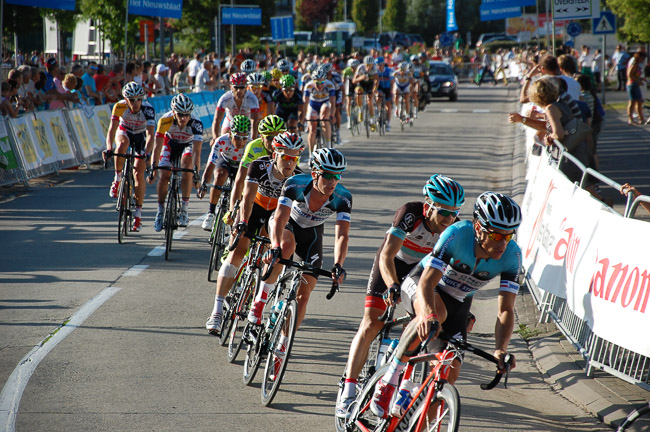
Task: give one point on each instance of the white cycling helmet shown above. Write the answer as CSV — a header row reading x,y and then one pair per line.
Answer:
x,y
353,63
369,60
132,90
284,65
288,140
326,159
497,210
182,104
248,66
255,78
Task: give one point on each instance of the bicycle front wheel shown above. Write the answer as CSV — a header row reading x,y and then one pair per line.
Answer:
x,y
122,218
170,218
239,310
446,417
253,336
276,364
218,245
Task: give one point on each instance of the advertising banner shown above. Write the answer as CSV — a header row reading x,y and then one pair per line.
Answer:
x,y
8,160
25,143
52,133
451,16
156,8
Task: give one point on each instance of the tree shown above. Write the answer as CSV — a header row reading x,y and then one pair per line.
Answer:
x,y
320,11
365,14
636,25
395,15
110,15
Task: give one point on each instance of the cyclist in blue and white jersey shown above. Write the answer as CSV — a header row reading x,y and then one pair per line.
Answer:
x,y
402,88
295,227
415,88
385,85
306,77
365,78
320,98
468,255
336,79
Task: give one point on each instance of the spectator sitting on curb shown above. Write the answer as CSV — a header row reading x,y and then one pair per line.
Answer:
x,y
627,188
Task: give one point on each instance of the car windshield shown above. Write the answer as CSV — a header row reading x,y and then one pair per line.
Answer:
x,y
440,70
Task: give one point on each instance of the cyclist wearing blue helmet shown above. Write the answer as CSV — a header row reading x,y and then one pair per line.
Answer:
x,y
468,255
416,227
385,85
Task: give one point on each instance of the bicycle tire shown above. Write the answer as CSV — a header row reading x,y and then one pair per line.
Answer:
x,y
253,352
367,418
121,209
239,318
130,206
366,120
287,320
450,419
633,416
218,240
170,218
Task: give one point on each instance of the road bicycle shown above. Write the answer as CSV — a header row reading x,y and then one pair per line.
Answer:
x,y
172,209
220,229
321,142
126,192
434,405
239,300
264,340
402,111
382,117
353,118
640,411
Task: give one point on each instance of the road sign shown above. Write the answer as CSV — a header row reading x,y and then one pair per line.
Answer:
x,y
446,39
574,29
150,28
605,24
282,28
241,16
490,13
576,9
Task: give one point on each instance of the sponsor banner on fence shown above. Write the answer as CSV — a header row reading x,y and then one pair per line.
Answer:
x,y
8,159
52,133
32,157
103,113
88,139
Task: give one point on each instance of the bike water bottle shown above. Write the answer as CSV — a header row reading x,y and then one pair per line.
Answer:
x,y
381,354
406,391
390,351
273,316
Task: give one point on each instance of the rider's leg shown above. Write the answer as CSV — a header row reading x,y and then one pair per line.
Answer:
x,y
368,329
371,106
227,274
325,111
186,181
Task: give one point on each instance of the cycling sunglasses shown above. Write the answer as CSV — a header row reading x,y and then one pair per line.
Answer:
x,y
240,137
239,87
256,86
182,115
497,237
133,100
331,176
288,89
446,213
320,82
289,157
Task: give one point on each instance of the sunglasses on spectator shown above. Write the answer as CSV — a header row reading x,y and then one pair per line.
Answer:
x,y
497,237
446,213
289,158
331,176
240,137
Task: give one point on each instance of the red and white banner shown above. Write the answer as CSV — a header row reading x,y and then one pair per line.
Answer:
x,y
577,249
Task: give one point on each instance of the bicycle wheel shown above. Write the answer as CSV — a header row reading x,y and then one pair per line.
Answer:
x,y
253,336
122,202
360,408
218,244
247,286
170,218
276,366
382,119
447,416
366,120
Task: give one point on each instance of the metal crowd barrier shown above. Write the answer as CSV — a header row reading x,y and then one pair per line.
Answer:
x,y
597,352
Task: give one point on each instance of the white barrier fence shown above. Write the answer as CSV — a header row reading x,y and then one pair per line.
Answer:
x,y
590,266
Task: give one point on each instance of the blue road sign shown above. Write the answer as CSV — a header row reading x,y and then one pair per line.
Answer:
x,y
446,39
241,16
605,24
281,28
574,29
490,12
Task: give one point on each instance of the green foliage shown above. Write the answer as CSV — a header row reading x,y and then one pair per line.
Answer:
x,y
636,26
365,14
111,14
197,24
395,15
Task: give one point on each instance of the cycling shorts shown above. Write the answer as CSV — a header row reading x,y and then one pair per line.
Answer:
x,y
388,95
316,107
217,158
136,140
367,86
339,97
173,150
404,89
231,169
287,115
258,219
376,285
309,243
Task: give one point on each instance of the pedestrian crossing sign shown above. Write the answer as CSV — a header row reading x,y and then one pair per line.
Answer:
x,y
605,24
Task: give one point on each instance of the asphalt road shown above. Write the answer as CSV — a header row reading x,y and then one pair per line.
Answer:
x,y
143,360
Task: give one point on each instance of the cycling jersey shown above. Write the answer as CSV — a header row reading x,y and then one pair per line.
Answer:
x,y
269,187
228,105
454,256
417,71
223,148
285,107
319,96
295,194
135,123
402,80
363,70
348,72
264,101
385,78
169,129
304,80
254,150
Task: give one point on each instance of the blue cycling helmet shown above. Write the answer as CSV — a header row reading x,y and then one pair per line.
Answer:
x,y
497,210
379,60
443,190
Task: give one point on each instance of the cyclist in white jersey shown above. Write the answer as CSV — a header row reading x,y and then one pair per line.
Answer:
x,y
320,98
237,101
467,256
415,81
402,89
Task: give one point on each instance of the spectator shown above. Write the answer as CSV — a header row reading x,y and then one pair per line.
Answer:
x,y
548,66
42,97
101,81
634,82
69,85
568,70
162,78
585,62
181,79
193,68
626,189
486,67
596,66
113,89
172,64
204,81
620,59
6,109
89,86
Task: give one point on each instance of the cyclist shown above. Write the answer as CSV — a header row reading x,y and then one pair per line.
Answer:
x,y
297,226
289,103
248,66
285,67
226,155
336,79
416,227
466,257
274,83
264,181
236,101
415,81
365,77
256,83
306,77
348,74
178,135
402,88
133,123
385,85
320,98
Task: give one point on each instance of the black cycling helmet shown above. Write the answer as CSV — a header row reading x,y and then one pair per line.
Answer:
x,y
497,210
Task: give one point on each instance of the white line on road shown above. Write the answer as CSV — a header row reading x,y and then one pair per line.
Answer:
x,y
480,110
135,270
179,234
157,251
15,385
447,110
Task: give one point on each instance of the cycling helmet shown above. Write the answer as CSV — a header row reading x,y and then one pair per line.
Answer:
x,y
326,159
276,73
240,125
287,81
319,74
443,190
353,63
414,58
497,210
409,66
132,90
368,60
423,55
379,60
403,66
182,104
238,79
312,67
289,141
267,76
255,78
284,65
271,123
248,66
327,67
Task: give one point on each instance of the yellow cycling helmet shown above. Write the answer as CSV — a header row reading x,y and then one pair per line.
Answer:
x,y
276,73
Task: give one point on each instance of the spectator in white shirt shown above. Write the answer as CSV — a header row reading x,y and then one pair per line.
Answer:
x,y
193,68
204,81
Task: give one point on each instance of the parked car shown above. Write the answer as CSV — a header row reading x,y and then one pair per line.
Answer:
x,y
442,80
416,38
493,37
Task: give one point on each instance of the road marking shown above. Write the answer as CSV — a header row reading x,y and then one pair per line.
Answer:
x,y
480,110
448,110
157,251
15,385
179,234
135,270
198,221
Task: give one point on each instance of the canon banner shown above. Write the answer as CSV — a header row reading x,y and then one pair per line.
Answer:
x,y
576,249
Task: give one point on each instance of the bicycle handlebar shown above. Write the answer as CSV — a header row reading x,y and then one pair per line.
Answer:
x,y
390,309
110,154
304,267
